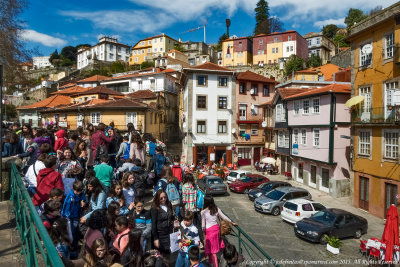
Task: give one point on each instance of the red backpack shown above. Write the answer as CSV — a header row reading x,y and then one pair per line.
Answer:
x,y
177,172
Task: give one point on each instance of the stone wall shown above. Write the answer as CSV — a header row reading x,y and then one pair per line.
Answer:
x,y
267,70
343,59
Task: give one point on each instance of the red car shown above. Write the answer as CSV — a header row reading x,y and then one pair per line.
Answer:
x,y
245,183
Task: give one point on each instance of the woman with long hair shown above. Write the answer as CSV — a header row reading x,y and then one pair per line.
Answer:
x,y
113,211
162,220
133,253
60,238
100,140
210,226
68,165
174,195
86,137
80,151
11,144
137,149
128,189
116,195
99,255
97,197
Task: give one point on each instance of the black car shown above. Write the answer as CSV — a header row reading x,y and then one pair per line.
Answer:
x,y
264,188
212,185
333,222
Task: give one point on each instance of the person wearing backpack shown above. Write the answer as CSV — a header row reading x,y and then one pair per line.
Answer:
x,y
177,169
173,190
163,182
138,149
151,144
157,163
100,141
124,149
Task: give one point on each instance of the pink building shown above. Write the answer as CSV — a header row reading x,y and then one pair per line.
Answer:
x,y
320,138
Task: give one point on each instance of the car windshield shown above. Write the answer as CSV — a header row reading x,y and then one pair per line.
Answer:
x,y
233,174
324,217
214,181
275,195
267,187
245,179
262,185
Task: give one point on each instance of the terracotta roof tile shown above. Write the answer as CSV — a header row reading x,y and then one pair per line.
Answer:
x,y
143,94
52,101
210,66
94,78
121,103
174,50
287,92
251,76
68,85
327,70
335,88
101,89
141,74
71,90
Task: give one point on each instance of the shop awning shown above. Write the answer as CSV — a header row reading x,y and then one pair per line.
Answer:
x,y
354,101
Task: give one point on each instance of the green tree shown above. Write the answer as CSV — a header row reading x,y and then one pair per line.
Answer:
x,y
179,47
314,61
294,63
55,58
68,52
275,25
330,30
146,64
9,111
117,67
354,16
262,18
218,46
339,41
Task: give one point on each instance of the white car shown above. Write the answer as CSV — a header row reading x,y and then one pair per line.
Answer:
x,y
235,175
296,209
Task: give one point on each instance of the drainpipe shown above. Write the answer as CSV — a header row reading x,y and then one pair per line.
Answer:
x,y
332,127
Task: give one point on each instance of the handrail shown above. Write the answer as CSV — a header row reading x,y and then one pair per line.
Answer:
x,y
31,230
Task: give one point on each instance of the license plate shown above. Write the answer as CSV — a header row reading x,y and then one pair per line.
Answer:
x,y
300,232
288,211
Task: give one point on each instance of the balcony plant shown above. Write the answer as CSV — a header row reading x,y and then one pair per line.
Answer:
x,y
333,244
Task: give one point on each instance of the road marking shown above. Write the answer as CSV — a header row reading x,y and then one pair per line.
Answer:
x,y
236,215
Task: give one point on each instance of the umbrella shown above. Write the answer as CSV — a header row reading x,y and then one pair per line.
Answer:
x,y
354,100
268,160
391,232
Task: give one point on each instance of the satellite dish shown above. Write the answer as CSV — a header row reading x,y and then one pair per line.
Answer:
x,y
367,49
251,91
264,124
233,130
252,105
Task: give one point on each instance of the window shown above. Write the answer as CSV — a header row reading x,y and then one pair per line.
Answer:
x,y
273,49
254,87
366,92
155,41
303,136
280,113
221,126
95,118
316,134
281,139
242,129
201,101
240,44
309,43
365,54
142,51
315,105
242,88
364,143
391,144
325,177
291,48
201,126
161,39
202,80
111,56
254,110
295,136
296,107
140,85
260,52
260,42
244,153
313,175
389,45
134,52
242,111
276,49
149,42
160,49
136,59
306,106
223,81
286,144
254,129
390,89
318,41
265,90
289,38
131,117
155,49
222,102
148,50
275,39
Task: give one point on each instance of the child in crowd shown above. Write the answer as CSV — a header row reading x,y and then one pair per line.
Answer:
x,y
73,138
55,193
51,213
128,181
117,195
60,238
104,172
143,222
61,142
113,211
133,253
29,155
122,239
194,256
98,254
124,148
73,204
126,166
188,236
177,169
232,257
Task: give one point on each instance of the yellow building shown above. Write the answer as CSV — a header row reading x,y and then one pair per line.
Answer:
x,y
150,48
274,52
237,52
321,73
375,120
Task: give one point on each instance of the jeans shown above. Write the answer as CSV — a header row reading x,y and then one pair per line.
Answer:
x,y
74,223
31,191
182,261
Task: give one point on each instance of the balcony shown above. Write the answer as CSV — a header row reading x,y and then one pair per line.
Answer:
x,y
254,139
249,117
377,116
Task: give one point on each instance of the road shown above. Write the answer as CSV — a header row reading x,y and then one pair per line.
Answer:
x,y
277,237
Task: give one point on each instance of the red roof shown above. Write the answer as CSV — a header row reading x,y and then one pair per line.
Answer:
x,y
335,88
101,89
52,101
251,76
210,66
94,78
121,103
287,92
143,94
68,85
71,90
327,70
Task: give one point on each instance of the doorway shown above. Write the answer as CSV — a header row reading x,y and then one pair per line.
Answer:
x,y
256,156
219,155
201,155
364,193
390,196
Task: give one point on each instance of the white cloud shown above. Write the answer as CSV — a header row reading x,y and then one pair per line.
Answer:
x,y
44,39
322,23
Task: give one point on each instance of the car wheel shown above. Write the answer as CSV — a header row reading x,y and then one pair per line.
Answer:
x,y
358,234
246,191
322,240
276,211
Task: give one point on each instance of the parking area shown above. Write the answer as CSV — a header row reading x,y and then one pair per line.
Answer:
x,y
277,237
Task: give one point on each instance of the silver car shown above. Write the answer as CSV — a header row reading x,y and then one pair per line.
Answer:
x,y
212,185
273,201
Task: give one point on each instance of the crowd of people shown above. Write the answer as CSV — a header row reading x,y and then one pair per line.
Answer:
x,y
90,187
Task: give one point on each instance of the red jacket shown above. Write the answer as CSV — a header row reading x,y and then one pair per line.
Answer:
x,y
47,179
61,142
99,138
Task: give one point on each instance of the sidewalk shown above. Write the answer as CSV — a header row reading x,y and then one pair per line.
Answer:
x,y
375,224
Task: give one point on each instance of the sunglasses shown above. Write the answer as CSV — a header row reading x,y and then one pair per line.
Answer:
x,y
163,197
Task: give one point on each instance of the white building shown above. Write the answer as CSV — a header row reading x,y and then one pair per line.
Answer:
x,y
208,110
41,62
108,49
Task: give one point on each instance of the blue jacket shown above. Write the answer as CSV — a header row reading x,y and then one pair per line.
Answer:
x,y
72,205
159,163
97,204
123,210
143,222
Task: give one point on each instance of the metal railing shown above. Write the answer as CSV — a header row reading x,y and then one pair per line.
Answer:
x,y
250,117
36,245
380,115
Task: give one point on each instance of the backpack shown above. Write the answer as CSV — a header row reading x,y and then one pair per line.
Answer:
x,y
127,150
152,148
162,184
159,163
199,198
173,194
177,172
100,151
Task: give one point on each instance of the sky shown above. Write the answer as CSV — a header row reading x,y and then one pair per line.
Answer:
x,y
53,24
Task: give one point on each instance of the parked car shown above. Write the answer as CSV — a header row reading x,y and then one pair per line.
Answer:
x,y
336,222
212,184
274,200
297,209
264,188
235,175
245,183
